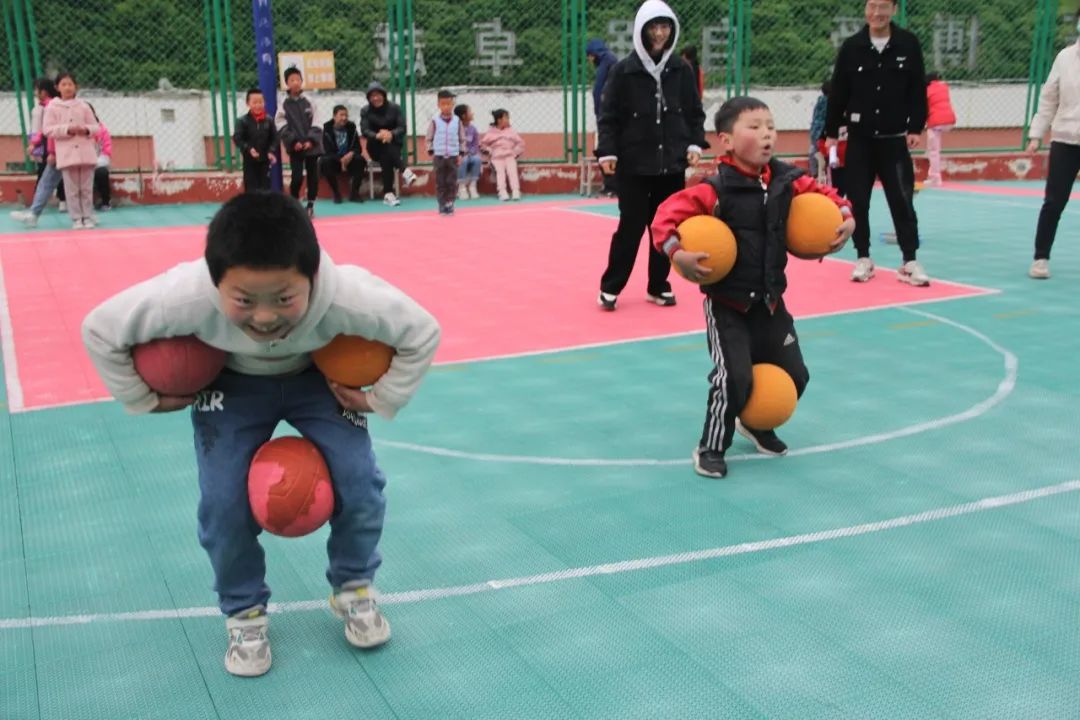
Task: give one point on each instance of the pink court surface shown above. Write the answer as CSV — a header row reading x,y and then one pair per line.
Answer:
x,y
503,281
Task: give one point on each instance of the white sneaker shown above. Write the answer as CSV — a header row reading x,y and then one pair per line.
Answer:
x,y
912,273
864,270
62,207
515,195
89,223
503,197
365,626
473,192
249,647
408,176
391,200
21,215
462,192
78,224
1040,270
32,221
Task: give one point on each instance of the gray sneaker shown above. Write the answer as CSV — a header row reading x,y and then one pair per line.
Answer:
x,y
912,273
863,271
365,626
249,647
1040,270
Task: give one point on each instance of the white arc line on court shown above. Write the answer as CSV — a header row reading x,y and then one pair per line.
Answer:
x,y
412,596
7,340
1004,389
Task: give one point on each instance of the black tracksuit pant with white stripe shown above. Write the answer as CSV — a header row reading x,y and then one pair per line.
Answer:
x,y
738,340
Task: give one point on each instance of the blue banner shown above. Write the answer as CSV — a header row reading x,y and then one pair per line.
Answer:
x,y
266,62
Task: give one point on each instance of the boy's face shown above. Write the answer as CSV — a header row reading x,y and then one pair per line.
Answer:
x,y
295,83
657,33
265,303
256,103
446,106
879,13
340,118
752,139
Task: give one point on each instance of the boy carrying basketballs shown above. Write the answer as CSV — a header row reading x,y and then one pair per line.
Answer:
x,y
746,320
268,296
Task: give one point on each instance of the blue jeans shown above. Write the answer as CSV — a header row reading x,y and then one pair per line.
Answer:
x,y
232,419
469,169
46,186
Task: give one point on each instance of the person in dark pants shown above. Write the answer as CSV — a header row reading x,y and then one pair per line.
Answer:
x,y
879,93
598,54
342,155
652,126
257,140
301,134
382,129
1059,112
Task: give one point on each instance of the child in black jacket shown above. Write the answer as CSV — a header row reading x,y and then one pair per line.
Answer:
x,y
257,139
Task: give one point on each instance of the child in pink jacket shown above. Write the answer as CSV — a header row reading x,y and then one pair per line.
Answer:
x,y
504,146
940,119
70,123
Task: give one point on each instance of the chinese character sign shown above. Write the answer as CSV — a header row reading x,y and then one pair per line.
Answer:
x,y
956,42
495,48
714,46
316,67
843,28
621,37
383,48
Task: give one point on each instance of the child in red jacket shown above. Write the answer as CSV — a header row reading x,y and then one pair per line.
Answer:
x,y
940,119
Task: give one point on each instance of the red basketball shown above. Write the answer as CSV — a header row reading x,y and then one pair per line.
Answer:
x,y
289,487
178,365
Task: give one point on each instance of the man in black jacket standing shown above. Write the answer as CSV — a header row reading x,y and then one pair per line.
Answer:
x,y
342,155
651,127
879,92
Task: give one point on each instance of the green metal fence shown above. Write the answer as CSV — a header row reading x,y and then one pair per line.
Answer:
x,y
168,77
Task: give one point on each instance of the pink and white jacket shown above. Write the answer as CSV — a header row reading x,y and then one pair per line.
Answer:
x,y
71,150
502,143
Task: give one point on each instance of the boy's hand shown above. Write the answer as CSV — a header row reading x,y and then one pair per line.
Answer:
x,y
254,153
350,398
1033,146
608,167
693,158
172,403
687,262
298,146
912,141
273,158
842,234
308,145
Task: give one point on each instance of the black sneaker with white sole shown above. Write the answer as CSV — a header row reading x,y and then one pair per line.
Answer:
x,y
765,440
709,463
606,301
664,299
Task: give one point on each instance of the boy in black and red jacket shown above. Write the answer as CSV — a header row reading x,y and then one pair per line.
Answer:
x,y
256,138
746,320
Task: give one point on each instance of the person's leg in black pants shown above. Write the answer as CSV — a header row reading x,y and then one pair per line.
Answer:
x,y
102,188
634,215
330,169
355,171
659,289
311,165
1064,165
389,158
893,165
859,176
296,168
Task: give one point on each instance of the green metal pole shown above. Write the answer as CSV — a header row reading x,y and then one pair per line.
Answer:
x,y
219,41
740,36
574,151
729,69
903,13
1033,63
16,82
412,76
24,55
567,48
748,37
32,29
584,76
210,82
231,57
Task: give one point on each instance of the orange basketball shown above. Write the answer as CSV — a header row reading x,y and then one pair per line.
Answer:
x,y
353,361
289,487
772,398
811,225
707,234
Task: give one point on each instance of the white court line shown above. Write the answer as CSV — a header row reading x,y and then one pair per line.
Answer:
x,y
649,563
7,340
1004,389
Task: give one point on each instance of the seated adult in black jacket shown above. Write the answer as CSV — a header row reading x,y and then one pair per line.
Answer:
x,y
342,155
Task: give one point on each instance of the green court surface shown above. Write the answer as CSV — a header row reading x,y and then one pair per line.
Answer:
x,y
549,552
